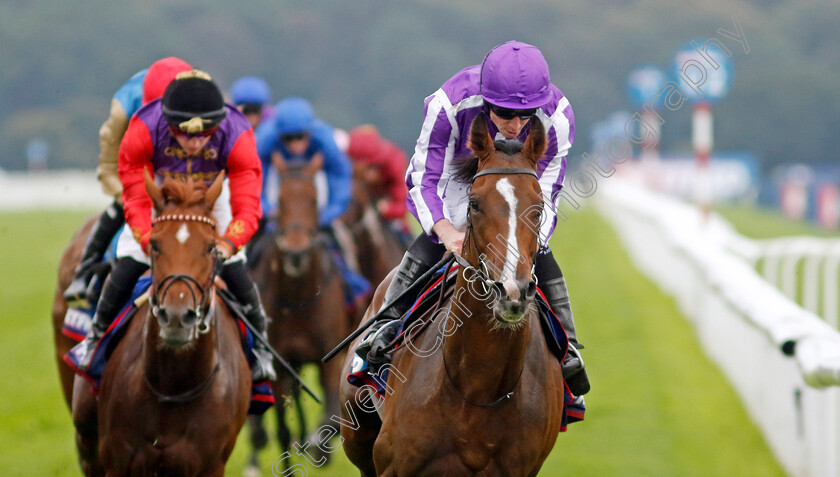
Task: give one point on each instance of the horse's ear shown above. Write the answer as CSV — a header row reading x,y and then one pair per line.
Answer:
x,y
535,145
214,191
154,191
315,164
480,141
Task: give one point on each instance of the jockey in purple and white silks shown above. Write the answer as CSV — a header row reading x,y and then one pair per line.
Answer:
x,y
513,88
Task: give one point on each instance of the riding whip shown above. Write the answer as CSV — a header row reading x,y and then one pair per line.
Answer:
x,y
378,316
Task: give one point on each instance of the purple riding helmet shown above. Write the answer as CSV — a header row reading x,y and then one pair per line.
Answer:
x,y
515,75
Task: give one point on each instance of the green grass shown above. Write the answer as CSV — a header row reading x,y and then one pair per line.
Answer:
x,y
764,223
658,406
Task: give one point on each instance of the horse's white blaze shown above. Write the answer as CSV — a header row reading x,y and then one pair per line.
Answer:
x,y
512,250
183,233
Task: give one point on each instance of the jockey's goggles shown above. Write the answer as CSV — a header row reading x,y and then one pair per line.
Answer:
x,y
508,114
298,136
251,108
185,135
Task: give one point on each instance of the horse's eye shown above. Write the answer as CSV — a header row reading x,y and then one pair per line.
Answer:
x,y
153,247
474,205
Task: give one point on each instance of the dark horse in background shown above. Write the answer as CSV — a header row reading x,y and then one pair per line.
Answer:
x,y
176,390
302,291
485,396
377,247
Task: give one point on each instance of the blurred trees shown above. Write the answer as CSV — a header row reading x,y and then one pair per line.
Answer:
x,y
375,61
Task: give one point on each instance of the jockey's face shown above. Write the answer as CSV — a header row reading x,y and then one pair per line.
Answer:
x,y
296,144
192,145
508,127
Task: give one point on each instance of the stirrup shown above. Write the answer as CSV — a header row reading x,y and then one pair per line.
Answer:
x,y
574,372
78,293
89,346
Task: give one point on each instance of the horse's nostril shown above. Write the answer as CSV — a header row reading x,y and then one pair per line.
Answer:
x,y
190,317
162,317
530,290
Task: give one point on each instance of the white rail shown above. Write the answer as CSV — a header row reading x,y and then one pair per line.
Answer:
x,y
783,360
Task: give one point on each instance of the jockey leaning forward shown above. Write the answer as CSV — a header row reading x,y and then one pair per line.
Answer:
x,y
251,95
143,87
190,132
382,169
294,135
512,86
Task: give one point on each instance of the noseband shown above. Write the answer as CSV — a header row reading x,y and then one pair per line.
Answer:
x,y
200,306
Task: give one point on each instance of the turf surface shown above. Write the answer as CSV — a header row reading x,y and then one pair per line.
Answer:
x,y
658,406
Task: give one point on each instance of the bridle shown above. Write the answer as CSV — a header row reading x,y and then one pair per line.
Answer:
x,y
481,273
202,308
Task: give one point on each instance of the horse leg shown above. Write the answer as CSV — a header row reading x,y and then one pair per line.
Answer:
x,y
330,375
300,414
85,422
259,439
284,437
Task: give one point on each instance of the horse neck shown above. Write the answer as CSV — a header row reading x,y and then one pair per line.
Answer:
x,y
483,363
173,371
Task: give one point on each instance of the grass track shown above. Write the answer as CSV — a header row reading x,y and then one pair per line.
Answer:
x,y
658,406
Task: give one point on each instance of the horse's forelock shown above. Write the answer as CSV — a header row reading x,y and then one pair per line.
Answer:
x,y
183,194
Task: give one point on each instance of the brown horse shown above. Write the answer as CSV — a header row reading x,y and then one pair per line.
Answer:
x,y
66,269
301,289
176,389
478,393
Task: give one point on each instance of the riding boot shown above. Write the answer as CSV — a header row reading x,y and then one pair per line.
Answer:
x,y
574,370
101,234
248,295
374,346
116,292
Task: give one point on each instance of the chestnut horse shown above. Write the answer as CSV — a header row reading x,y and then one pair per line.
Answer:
x,y
176,389
477,393
301,289
66,269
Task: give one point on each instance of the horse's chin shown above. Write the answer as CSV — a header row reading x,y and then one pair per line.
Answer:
x,y
510,315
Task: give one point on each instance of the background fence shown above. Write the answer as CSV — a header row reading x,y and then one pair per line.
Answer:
x,y
783,360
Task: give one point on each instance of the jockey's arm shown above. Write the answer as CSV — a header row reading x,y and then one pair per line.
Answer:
x,y
110,135
339,172
135,155
426,167
553,174
245,176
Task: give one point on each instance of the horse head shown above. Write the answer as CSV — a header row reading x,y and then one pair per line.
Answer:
x,y
504,211
183,256
297,214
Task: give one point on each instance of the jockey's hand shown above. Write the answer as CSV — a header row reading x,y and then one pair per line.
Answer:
x,y
449,236
224,248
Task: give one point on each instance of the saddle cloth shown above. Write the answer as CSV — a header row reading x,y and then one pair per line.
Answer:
x,y
77,324
361,373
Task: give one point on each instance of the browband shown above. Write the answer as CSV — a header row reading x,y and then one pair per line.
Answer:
x,y
184,217
506,170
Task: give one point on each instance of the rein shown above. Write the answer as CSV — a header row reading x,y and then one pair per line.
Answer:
x,y
203,309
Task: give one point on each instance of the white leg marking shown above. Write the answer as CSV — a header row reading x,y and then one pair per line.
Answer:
x,y
183,233
509,271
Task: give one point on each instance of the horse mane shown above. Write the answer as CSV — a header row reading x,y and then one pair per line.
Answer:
x,y
465,170
184,194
